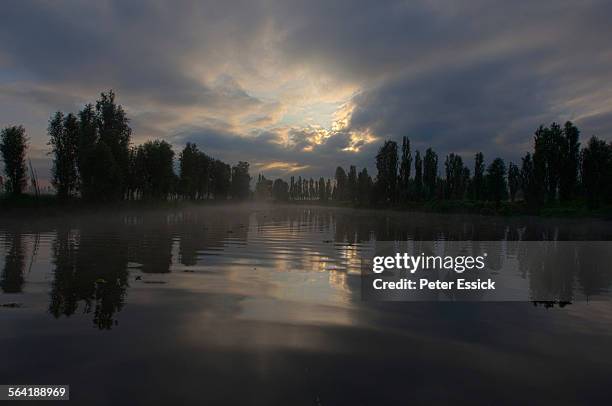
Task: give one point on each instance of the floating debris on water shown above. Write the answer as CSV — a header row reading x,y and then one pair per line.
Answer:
x,y
12,305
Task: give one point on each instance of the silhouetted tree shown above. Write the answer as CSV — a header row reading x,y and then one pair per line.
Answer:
x,y
570,157
263,188
292,189
105,173
531,181
13,146
352,184
153,169
478,179
497,189
548,147
241,181
321,190
299,184
404,171
88,139
430,173
220,179
341,185
457,177
514,180
386,164
311,190
193,172
418,176
64,139
280,190
364,185
113,131
596,171
204,168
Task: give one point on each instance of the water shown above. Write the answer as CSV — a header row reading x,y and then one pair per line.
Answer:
x,y
262,305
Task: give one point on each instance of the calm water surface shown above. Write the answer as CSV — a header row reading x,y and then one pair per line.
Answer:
x,y
262,305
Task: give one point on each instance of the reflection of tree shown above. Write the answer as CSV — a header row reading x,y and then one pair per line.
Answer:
x,y
595,272
12,279
200,231
64,291
553,268
91,268
152,249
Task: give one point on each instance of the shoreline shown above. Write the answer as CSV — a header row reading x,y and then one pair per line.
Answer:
x,y
49,205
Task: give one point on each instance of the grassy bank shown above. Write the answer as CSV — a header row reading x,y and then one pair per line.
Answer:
x,y
573,209
50,205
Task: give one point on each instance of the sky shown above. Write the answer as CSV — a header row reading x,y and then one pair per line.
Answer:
x,y
300,87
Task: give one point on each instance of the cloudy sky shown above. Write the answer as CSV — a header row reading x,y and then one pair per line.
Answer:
x,y
299,87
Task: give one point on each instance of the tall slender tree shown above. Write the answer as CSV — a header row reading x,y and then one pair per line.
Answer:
x,y
478,179
430,173
514,180
570,157
241,181
404,171
341,184
597,171
13,147
457,177
386,164
154,169
352,184
64,139
280,190
548,147
364,185
114,131
220,179
418,176
322,190
189,171
497,188
88,139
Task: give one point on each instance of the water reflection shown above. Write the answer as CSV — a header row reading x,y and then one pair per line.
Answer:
x,y
89,273
256,252
12,279
262,305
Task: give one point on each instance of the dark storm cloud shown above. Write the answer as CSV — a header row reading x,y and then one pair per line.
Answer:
x,y
462,76
459,76
459,109
138,47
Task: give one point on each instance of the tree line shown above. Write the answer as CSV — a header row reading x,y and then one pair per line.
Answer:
x,y
556,171
93,159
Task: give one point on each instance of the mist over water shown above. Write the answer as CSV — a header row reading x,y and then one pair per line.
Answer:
x,y
262,304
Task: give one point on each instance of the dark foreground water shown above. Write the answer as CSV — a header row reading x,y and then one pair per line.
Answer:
x,y
262,305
